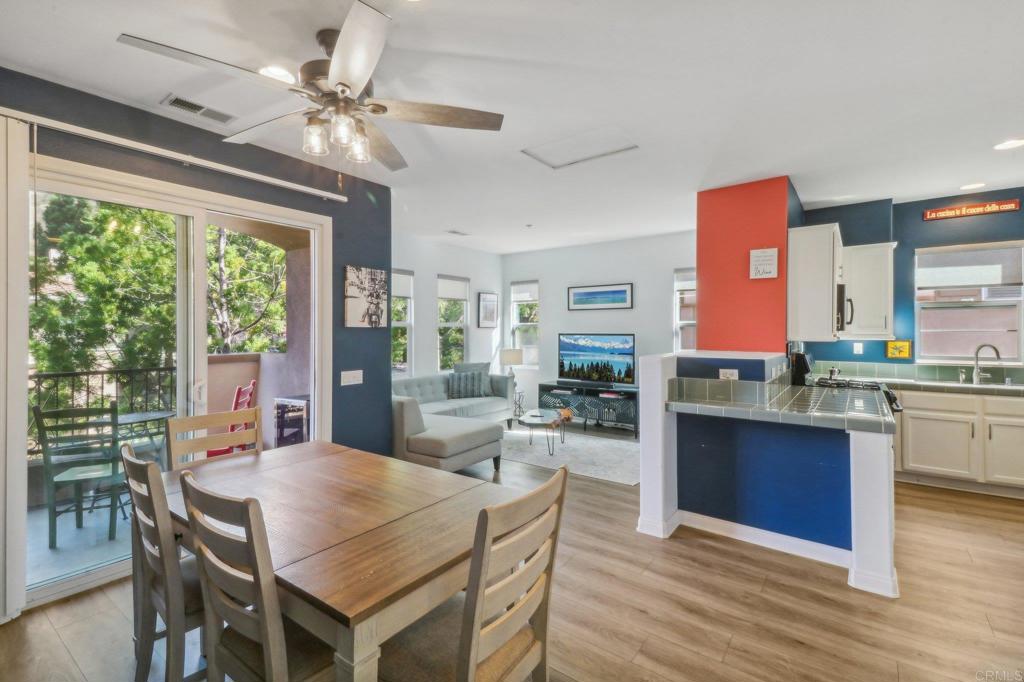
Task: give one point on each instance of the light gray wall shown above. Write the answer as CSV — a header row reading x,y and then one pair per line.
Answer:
x,y
649,263
427,259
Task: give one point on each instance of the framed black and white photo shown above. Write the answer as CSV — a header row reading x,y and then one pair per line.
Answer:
x,y
486,310
601,297
366,297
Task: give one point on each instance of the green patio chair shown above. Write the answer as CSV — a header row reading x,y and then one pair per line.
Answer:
x,y
80,451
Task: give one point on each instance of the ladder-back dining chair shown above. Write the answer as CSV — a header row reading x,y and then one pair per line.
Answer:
x,y
247,638
169,583
79,447
244,397
184,447
498,630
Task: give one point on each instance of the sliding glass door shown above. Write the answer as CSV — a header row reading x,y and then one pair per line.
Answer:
x,y
113,353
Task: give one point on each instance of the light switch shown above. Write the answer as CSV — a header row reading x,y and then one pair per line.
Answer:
x,y
858,348
731,374
351,377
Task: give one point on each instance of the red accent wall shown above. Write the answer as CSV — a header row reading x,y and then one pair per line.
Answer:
x,y
735,312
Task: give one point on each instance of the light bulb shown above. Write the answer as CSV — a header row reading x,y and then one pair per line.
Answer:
x,y
359,151
314,139
343,129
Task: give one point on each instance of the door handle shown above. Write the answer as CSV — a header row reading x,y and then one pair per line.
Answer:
x,y
850,301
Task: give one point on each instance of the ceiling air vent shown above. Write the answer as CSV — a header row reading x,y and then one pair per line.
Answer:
x,y
197,109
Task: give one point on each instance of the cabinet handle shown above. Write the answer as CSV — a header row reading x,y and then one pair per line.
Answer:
x,y
990,432
972,430
850,301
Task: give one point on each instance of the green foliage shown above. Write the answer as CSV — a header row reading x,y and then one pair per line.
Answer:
x,y
399,309
104,279
400,348
451,341
527,313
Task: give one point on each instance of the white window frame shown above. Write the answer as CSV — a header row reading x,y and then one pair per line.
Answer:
x,y
466,312
987,359
515,325
68,177
407,324
678,288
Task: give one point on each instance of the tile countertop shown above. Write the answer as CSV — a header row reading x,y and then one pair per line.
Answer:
x,y
834,408
897,384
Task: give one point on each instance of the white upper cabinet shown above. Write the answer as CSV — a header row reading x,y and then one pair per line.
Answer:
x,y
814,270
867,274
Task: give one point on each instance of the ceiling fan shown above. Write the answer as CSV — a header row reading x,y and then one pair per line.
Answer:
x,y
339,93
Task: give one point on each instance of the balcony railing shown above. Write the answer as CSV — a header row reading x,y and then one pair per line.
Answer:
x,y
147,389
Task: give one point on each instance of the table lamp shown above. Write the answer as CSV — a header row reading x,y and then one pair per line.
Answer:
x,y
509,358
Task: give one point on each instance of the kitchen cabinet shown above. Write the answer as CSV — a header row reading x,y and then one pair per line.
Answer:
x,y
940,435
1003,426
814,270
867,276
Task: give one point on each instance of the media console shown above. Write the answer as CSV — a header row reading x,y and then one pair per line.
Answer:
x,y
603,405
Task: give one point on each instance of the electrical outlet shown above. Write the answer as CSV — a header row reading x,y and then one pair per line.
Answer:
x,y
731,374
858,348
351,377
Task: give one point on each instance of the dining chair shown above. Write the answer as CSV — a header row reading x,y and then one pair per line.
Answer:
x,y
247,637
184,448
169,583
244,396
79,447
496,631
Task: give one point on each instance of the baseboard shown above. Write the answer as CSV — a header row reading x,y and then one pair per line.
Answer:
x,y
766,538
657,527
885,585
965,486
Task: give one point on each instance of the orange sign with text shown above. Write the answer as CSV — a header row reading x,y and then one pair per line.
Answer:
x,y
972,209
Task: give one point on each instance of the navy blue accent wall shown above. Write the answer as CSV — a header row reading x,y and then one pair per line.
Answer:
x,y
869,222
362,227
794,209
911,232
793,480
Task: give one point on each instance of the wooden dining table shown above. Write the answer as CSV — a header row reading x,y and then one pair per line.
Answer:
x,y
362,545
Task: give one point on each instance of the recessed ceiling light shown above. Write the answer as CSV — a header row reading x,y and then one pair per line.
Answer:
x,y
1009,144
973,185
278,73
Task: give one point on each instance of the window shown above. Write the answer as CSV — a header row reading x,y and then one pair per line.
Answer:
x,y
401,323
968,296
525,320
685,304
452,314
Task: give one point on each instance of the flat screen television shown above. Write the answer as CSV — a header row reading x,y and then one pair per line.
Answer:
x,y
599,358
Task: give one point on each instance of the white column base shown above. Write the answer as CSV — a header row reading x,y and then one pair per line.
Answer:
x,y
885,585
872,514
658,527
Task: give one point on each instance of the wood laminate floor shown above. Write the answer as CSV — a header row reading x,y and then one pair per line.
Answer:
x,y
696,607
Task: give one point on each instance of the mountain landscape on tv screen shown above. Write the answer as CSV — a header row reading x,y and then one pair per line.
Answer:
x,y
606,358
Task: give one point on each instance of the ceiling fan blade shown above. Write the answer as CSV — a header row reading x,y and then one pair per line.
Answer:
x,y
382,149
260,129
357,51
213,64
439,114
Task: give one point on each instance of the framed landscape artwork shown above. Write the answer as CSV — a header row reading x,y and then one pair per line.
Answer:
x,y
486,310
366,297
601,297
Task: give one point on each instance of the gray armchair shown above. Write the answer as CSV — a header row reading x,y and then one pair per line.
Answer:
x,y
440,441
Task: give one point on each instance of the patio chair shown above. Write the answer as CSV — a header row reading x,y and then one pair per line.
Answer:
x,y
79,452
243,399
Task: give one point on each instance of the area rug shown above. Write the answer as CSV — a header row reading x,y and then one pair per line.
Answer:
x,y
608,459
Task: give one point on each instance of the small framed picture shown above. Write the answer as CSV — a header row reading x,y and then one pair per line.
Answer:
x,y
486,310
366,297
901,349
601,297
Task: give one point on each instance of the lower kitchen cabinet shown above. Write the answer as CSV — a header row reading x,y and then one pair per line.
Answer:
x,y
975,438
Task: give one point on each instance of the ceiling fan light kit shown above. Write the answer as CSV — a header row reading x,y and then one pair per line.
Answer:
x,y
338,93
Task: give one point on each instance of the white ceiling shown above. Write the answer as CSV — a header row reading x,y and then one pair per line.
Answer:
x,y
854,100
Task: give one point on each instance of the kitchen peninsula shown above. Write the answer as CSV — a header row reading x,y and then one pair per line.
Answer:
x,y
800,469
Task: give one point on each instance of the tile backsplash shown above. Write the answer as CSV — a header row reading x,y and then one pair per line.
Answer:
x,y
888,370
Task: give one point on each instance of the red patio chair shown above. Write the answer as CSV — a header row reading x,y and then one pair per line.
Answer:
x,y
244,396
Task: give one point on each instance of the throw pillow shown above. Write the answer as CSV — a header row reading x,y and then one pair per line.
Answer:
x,y
484,367
465,385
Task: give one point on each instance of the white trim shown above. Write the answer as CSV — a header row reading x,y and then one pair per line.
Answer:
x,y
957,484
766,538
872,514
14,219
79,583
165,153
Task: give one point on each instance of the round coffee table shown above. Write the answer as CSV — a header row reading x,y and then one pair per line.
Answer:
x,y
549,420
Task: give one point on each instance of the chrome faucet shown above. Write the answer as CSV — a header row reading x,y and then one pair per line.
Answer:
x,y
977,366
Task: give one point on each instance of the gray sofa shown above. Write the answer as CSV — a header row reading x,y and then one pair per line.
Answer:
x,y
431,392
441,441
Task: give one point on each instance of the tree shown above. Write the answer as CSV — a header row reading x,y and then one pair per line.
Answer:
x,y
451,316
245,292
